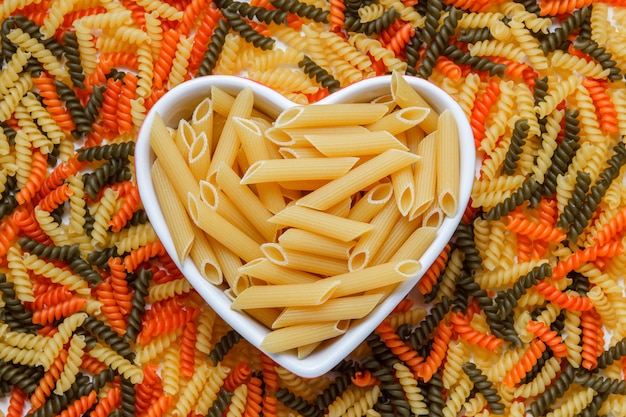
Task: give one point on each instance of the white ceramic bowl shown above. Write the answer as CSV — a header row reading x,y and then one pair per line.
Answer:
x,y
180,102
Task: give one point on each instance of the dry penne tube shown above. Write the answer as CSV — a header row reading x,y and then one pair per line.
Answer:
x,y
371,203
264,296
416,244
368,245
330,115
303,334
224,232
400,120
296,136
303,169
296,152
174,212
376,276
271,273
405,96
303,261
360,177
361,143
248,203
345,308
425,175
203,255
228,142
319,222
305,241
202,118
448,155
172,161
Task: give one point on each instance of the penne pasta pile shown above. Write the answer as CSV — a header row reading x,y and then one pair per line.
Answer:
x,y
308,220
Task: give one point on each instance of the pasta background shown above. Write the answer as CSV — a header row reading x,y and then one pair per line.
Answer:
x,y
96,319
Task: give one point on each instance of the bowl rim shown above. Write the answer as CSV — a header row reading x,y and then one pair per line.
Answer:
x,y
329,355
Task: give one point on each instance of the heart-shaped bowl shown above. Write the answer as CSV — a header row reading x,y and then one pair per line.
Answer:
x,y
180,102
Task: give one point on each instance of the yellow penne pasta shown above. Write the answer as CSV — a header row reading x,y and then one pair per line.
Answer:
x,y
202,119
174,212
399,233
172,161
345,308
223,231
304,169
271,273
230,263
228,143
305,241
448,163
357,179
373,277
319,222
220,202
403,189
362,143
199,156
425,176
400,120
303,261
299,152
296,136
183,136
205,259
248,203
269,296
416,244
255,148
405,96
368,245
330,115
371,203
304,334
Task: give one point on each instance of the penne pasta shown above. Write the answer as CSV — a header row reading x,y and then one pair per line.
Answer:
x,y
345,308
361,143
303,169
448,163
373,277
425,176
305,241
416,244
270,296
330,115
228,142
172,161
173,211
400,120
319,222
202,119
296,136
205,259
405,96
199,156
357,179
255,148
296,152
404,189
303,261
301,335
223,231
369,244
371,203
248,203
271,273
